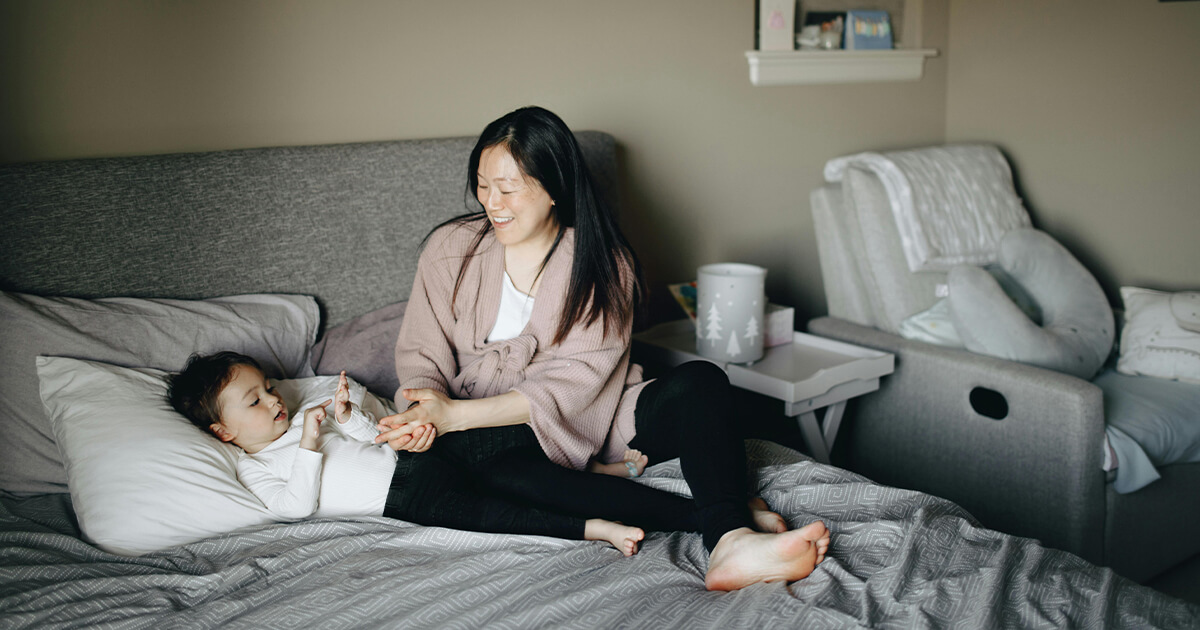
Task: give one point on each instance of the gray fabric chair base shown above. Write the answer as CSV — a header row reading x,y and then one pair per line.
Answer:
x,y
1035,473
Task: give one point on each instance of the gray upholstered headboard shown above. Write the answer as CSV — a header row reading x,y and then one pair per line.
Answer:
x,y
340,222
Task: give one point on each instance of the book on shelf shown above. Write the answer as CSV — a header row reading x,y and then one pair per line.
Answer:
x,y
685,295
868,30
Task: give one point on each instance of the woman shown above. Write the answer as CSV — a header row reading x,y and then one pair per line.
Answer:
x,y
520,318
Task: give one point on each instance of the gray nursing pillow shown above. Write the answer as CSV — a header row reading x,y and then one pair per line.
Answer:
x,y
1076,332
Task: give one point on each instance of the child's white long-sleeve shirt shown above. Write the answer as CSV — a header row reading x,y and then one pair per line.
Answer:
x,y
349,475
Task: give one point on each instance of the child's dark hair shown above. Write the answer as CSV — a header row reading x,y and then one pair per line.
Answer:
x,y
193,392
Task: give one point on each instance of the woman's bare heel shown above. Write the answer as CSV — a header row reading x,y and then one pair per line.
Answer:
x,y
743,557
764,519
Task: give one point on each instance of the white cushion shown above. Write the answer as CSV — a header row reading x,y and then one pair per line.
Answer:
x,y
1161,336
277,330
141,476
933,325
1076,332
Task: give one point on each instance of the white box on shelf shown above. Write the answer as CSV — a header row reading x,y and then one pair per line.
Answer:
x,y
780,324
777,25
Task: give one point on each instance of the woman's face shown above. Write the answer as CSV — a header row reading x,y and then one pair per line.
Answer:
x,y
521,211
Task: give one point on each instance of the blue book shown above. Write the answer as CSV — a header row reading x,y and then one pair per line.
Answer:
x,y
868,30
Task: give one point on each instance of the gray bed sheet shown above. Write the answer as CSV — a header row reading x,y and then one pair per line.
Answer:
x,y
898,559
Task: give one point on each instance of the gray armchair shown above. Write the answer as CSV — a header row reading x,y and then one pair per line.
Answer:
x,y
1018,446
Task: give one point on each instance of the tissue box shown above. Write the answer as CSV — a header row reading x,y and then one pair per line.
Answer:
x,y
779,325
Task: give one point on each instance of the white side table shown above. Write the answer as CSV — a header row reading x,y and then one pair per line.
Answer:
x,y
808,374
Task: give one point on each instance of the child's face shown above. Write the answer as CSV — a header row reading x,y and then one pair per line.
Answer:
x,y
252,414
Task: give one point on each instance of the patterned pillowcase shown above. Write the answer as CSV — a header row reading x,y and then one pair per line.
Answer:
x,y
1161,337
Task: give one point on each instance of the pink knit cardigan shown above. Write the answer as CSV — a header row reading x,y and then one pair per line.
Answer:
x,y
581,392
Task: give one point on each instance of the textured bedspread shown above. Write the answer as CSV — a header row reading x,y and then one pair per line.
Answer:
x,y
898,559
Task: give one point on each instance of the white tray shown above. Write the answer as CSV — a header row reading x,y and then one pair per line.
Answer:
x,y
804,370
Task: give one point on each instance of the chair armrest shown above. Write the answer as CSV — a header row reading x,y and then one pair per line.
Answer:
x,y
1035,472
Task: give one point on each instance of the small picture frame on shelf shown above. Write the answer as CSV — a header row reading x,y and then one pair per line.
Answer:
x,y
776,24
868,30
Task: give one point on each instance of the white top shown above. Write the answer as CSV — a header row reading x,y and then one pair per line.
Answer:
x,y
348,476
515,310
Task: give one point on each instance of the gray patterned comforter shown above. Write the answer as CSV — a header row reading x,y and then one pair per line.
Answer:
x,y
898,559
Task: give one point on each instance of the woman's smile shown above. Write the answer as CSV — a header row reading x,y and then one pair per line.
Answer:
x,y
519,209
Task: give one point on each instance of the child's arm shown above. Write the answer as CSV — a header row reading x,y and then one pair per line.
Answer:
x,y
291,498
352,420
313,416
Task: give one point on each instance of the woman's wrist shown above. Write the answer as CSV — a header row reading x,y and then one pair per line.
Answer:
x,y
452,420
497,411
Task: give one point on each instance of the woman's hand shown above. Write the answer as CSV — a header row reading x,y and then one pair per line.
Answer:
x,y
415,437
436,410
429,406
414,429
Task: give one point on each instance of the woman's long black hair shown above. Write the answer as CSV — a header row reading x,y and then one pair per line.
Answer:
x,y
546,150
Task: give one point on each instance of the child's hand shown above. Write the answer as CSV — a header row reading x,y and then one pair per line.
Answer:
x,y
341,405
313,417
415,436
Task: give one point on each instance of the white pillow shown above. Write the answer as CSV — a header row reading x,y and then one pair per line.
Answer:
x,y
141,476
1161,337
932,325
277,330
1076,332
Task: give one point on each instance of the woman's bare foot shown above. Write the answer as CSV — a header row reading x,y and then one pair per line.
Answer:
x,y
623,537
631,465
743,557
764,519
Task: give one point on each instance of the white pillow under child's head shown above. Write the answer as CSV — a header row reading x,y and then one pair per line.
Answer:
x,y
141,477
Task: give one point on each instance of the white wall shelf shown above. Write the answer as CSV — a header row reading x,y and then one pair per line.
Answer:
x,y
836,66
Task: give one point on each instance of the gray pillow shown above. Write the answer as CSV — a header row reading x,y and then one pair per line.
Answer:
x,y
277,330
1076,332
366,348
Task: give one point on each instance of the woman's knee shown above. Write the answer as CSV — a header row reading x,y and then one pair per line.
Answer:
x,y
698,377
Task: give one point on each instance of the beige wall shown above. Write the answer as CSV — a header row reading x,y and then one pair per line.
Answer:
x,y
1098,104
715,169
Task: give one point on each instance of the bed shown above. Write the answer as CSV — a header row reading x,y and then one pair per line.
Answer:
x,y
343,223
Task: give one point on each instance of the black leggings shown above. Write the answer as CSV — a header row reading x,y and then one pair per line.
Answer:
x,y
688,414
499,480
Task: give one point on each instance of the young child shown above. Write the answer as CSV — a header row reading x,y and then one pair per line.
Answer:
x,y
307,466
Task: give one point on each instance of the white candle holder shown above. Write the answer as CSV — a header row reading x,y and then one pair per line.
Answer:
x,y
730,301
